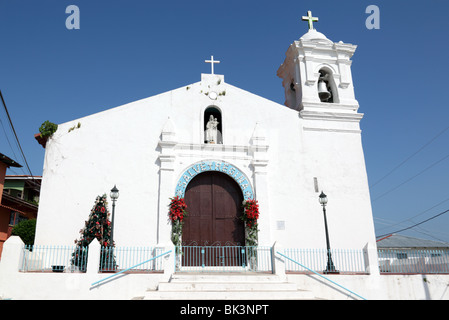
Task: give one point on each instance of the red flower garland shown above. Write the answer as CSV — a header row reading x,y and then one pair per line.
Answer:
x,y
251,213
177,209
250,217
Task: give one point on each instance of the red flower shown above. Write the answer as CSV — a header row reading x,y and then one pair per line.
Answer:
x,y
251,212
177,209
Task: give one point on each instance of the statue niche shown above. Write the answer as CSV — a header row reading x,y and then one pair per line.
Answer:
x,y
212,126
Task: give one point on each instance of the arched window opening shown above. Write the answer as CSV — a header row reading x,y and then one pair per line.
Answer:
x,y
325,91
291,95
213,126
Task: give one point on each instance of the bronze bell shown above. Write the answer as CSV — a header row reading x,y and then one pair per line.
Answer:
x,y
322,91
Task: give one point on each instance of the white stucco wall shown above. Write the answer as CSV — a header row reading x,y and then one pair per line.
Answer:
x,y
120,147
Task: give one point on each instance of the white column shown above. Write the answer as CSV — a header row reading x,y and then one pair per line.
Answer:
x,y
371,259
12,256
278,262
166,182
93,258
169,262
259,163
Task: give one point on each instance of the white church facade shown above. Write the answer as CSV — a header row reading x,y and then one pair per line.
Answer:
x,y
216,145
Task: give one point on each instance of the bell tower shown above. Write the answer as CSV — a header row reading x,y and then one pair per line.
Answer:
x,y
316,74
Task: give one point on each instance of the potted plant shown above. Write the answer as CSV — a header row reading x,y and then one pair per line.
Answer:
x,y
46,130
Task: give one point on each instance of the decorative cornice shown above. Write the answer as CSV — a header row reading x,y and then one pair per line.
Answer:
x,y
331,107
332,130
331,116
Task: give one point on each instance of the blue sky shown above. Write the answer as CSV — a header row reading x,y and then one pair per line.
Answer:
x,y
129,50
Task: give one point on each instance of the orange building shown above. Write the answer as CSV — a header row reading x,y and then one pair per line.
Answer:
x,y
19,196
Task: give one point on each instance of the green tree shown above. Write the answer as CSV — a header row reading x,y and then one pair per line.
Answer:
x,y
26,230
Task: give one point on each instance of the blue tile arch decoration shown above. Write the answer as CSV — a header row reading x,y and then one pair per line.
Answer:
x,y
214,165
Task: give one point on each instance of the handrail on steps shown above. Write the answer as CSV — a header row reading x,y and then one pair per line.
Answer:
x,y
321,276
116,274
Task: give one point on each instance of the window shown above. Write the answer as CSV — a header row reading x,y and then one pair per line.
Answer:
x,y
15,218
401,255
213,126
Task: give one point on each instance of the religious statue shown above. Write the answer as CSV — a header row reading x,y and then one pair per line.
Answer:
x,y
212,133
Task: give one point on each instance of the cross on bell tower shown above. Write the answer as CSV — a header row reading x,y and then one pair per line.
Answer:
x,y
212,62
317,71
310,19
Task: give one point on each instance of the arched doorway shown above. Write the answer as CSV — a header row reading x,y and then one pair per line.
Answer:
x,y
214,202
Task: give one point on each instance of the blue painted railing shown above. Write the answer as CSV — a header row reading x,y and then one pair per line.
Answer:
x,y
130,268
346,261
223,259
320,275
114,259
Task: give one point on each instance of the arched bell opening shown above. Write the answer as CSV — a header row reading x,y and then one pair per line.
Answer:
x,y
326,87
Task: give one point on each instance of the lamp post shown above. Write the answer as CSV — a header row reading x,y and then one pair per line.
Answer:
x,y
330,268
114,196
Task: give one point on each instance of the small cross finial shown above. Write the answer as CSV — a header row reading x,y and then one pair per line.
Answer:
x,y
310,19
212,62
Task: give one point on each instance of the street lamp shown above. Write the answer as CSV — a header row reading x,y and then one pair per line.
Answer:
x,y
330,268
114,196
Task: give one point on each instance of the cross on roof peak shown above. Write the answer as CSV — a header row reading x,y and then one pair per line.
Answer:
x,y
212,62
310,19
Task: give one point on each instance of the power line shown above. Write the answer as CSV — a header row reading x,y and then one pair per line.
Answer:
x,y
411,156
7,139
411,218
431,235
415,225
413,177
15,134
419,229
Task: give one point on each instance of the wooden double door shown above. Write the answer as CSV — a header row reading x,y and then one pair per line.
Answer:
x,y
214,205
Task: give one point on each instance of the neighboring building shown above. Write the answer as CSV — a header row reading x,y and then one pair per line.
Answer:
x,y
215,145
404,254
5,212
20,201
397,241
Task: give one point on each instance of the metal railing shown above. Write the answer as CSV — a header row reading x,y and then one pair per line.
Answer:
x,y
349,261
54,259
41,258
114,259
45,258
223,259
412,261
335,283
128,269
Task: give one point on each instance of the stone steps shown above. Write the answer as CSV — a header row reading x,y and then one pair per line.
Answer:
x,y
227,287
